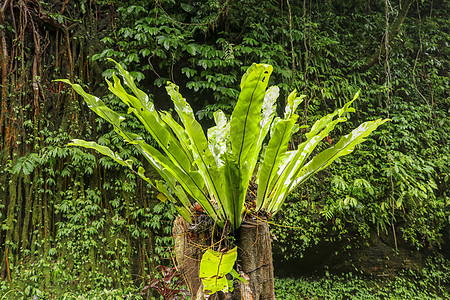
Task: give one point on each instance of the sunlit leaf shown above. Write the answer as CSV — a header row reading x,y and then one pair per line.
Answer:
x,y
214,266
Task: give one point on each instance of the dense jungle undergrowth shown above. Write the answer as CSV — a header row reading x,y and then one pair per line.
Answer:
x,y
74,224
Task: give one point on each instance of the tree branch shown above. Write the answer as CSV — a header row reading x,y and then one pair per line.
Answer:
x,y
396,26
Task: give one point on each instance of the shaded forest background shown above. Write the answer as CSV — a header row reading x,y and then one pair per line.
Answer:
x,y
73,220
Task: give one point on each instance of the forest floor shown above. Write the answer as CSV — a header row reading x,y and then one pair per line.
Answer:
x,y
406,286
350,286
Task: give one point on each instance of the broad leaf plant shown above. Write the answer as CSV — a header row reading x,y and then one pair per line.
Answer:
x,y
216,169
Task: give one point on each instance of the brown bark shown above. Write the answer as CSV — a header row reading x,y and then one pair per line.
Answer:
x,y
189,247
35,48
254,260
3,63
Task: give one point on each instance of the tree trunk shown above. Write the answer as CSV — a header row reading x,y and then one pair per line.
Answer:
x,y
254,260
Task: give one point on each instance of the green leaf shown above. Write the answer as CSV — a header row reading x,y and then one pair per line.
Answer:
x,y
298,172
191,181
143,97
177,167
345,146
185,213
218,137
97,105
146,113
292,104
26,164
187,7
215,170
282,131
191,49
103,150
267,115
292,164
203,158
246,116
175,146
180,133
235,189
237,276
275,151
245,125
182,196
164,191
108,152
214,266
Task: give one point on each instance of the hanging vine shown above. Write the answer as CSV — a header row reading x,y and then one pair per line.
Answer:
x,y
61,209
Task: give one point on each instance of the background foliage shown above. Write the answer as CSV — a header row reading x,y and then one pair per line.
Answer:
x,y
72,220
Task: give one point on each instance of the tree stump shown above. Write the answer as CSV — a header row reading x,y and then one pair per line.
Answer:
x,y
254,260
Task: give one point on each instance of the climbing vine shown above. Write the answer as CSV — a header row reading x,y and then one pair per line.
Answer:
x,y
69,219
